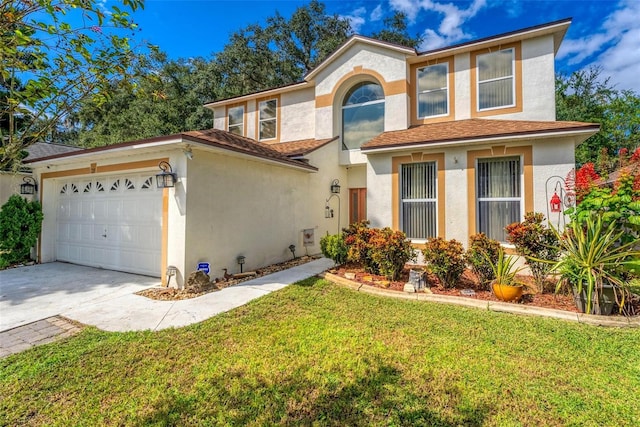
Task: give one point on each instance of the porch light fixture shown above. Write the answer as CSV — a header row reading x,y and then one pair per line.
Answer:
x,y
29,186
167,178
240,261
335,187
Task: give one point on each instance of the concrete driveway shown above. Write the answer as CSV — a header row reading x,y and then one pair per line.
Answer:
x,y
28,294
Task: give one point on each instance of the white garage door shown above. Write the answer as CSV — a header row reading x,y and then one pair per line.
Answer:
x,y
112,222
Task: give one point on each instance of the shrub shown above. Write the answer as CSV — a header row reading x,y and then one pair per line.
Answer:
x,y
357,237
379,251
537,243
20,225
483,252
445,259
390,250
333,247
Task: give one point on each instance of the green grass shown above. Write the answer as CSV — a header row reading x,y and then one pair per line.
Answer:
x,y
318,354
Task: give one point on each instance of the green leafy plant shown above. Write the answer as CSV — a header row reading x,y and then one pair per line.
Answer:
x,y
390,250
482,253
534,241
445,259
333,247
504,269
357,237
20,225
593,258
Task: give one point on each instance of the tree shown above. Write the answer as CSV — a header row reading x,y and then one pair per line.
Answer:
x,y
54,54
168,98
395,31
586,96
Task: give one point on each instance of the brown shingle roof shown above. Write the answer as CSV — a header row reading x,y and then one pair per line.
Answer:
x,y
237,143
471,129
210,137
41,149
300,147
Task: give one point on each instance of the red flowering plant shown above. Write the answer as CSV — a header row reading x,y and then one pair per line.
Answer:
x,y
537,243
585,180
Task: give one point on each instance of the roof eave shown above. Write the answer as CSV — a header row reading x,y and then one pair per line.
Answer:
x,y
262,93
582,133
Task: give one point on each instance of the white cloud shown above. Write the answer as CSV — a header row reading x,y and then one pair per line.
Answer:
x,y
614,47
376,14
356,19
450,29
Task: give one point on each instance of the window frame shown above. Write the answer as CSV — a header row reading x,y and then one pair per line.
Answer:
x,y
419,92
512,76
274,119
344,107
241,124
521,187
431,200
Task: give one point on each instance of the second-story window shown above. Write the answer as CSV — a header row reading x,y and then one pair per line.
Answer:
x,y
362,114
433,91
268,119
496,79
236,120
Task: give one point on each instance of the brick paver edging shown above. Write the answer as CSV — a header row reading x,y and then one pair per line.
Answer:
x,y
587,319
40,332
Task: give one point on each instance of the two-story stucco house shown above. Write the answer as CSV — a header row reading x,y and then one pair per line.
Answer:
x,y
448,143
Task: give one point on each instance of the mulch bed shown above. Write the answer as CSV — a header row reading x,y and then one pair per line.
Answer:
x,y
548,299
217,284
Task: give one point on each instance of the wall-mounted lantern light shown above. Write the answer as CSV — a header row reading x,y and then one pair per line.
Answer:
x,y
240,261
167,178
29,185
335,187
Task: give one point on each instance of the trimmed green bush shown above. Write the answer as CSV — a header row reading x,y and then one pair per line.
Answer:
x,y
20,225
483,252
445,259
333,247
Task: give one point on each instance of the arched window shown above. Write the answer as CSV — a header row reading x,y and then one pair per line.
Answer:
x,y
362,114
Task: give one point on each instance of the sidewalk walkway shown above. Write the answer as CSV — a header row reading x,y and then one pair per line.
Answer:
x,y
136,313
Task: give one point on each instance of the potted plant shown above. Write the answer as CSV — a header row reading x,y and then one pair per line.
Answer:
x,y
593,263
505,286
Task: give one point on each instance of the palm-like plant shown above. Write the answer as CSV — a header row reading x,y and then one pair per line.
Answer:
x,y
592,258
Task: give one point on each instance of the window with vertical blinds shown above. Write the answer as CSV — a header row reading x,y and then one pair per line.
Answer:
x,y
496,79
499,195
433,90
418,197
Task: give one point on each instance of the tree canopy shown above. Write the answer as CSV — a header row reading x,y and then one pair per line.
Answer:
x,y
587,96
54,55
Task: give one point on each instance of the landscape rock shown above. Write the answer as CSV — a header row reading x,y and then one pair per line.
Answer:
x,y
197,281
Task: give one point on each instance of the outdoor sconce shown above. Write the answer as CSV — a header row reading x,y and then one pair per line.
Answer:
x,y
29,185
335,187
240,261
166,178
292,248
555,203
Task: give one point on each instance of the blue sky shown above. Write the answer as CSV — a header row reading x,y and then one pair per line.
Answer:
x,y
603,32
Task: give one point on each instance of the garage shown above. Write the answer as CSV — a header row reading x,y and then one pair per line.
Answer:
x,y
112,222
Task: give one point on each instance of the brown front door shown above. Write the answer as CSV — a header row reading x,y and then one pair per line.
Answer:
x,y
357,204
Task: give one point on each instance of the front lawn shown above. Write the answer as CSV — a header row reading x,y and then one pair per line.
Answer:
x,y
315,353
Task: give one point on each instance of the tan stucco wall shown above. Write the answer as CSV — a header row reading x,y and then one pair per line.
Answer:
x,y
239,206
9,185
552,157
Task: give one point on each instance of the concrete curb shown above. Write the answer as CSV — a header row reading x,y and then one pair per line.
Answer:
x,y
503,307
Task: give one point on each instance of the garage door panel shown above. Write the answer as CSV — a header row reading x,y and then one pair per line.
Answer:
x,y
112,222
